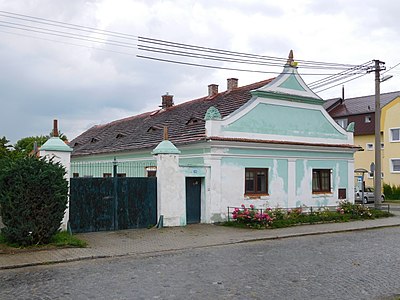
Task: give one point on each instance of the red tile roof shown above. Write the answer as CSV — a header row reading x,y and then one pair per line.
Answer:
x,y
144,131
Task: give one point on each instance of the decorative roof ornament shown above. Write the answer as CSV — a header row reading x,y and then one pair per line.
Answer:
x,y
165,147
291,61
212,114
165,133
289,86
350,127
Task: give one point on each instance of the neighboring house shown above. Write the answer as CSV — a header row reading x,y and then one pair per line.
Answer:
x,y
361,111
270,143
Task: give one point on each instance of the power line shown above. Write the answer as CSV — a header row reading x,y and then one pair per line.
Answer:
x,y
341,83
180,50
65,25
214,50
68,43
218,67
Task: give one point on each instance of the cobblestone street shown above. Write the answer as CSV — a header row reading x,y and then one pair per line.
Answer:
x,y
353,265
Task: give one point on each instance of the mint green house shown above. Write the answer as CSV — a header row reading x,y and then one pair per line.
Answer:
x,y
269,144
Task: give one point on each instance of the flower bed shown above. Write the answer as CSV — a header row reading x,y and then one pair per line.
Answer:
x,y
279,217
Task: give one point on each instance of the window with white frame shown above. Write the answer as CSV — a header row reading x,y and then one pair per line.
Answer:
x,y
395,165
321,181
371,175
256,181
369,146
342,122
395,134
368,119
382,146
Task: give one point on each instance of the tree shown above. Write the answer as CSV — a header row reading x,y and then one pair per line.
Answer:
x,y
33,199
4,148
26,145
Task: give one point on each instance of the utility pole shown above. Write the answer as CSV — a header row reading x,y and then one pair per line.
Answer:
x,y
379,66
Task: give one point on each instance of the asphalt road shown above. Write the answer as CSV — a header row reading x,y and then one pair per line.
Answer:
x,y
354,265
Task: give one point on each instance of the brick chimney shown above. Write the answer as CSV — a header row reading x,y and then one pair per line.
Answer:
x,y
232,83
167,101
212,90
55,128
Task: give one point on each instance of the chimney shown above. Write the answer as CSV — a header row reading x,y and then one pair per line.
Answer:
x,y
232,83
212,90
55,128
167,101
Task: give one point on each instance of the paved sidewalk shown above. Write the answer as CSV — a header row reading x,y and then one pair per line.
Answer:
x,y
154,241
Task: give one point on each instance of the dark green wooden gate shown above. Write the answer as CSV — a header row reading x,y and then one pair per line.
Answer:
x,y
98,204
193,200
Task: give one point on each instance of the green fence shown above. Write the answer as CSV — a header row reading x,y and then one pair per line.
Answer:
x,y
101,204
114,168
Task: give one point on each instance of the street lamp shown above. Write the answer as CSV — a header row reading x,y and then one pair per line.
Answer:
x,y
379,66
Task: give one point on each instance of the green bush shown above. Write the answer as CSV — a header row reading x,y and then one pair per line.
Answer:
x,y
33,198
392,192
279,218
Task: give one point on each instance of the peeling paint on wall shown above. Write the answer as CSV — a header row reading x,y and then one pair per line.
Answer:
x,y
277,188
304,192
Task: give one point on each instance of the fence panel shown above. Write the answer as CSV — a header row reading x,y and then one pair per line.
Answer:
x,y
108,168
100,204
137,202
91,204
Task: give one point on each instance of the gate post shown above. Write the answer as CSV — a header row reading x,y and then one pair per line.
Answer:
x,y
171,206
60,152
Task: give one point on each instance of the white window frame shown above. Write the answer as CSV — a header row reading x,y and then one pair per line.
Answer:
x,y
369,146
367,119
391,165
391,134
342,121
371,176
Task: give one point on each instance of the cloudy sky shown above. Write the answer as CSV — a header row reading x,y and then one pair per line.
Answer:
x,y
82,83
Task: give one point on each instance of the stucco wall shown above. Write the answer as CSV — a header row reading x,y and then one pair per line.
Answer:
x,y
289,178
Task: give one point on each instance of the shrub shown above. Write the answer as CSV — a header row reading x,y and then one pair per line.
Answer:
x,y
33,198
392,192
278,217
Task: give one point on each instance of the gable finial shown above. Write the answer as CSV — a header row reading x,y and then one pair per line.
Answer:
x,y
290,58
165,133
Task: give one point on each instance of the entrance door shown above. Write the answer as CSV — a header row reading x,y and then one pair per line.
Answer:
x,y
193,199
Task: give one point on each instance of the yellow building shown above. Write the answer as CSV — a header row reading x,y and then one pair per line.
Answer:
x,y
361,111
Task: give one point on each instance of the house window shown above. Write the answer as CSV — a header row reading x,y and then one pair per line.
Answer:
x,y
342,122
367,119
75,175
342,194
382,146
395,165
371,175
256,181
107,175
395,134
121,175
370,146
151,171
321,181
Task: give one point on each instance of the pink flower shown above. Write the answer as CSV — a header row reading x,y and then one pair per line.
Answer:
x,y
242,205
251,206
